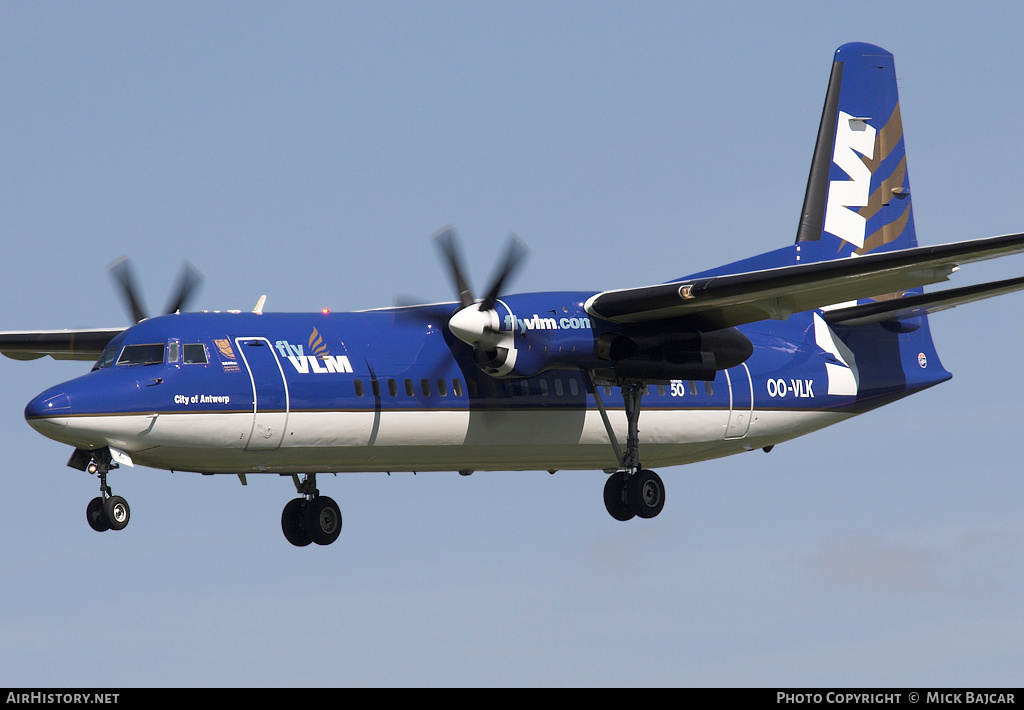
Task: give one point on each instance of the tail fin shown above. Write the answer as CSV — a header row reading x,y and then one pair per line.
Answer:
x,y
858,193
858,201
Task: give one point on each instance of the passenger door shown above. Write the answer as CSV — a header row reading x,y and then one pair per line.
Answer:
x,y
741,402
269,394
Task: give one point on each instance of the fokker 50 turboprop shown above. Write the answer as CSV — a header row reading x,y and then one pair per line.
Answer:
x,y
733,359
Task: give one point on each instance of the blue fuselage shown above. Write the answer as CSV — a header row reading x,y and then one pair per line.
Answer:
x,y
392,389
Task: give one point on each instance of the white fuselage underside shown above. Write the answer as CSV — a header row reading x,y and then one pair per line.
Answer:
x,y
452,440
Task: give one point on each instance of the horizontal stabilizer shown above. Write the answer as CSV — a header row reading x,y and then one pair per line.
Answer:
x,y
923,304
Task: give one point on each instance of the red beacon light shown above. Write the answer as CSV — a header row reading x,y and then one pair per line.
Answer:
x,y
325,311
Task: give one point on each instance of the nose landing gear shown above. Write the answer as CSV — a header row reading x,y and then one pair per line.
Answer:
x,y
110,513
106,511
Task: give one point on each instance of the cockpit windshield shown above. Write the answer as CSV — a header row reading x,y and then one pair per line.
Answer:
x,y
117,353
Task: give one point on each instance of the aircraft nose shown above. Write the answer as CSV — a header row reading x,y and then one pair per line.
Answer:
x,y
48,412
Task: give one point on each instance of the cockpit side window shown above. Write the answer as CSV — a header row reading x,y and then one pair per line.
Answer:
x,y
107,357
150,354
110,352
195,354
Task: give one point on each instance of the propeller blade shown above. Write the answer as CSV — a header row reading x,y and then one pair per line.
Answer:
x,y
515,254
188,284
447,242
121,271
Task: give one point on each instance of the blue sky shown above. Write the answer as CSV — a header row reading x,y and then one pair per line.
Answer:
x,y
309,151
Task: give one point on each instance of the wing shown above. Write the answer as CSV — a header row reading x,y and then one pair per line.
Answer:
x,y
714,302
58,344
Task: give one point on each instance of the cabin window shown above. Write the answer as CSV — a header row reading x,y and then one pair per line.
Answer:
x,y
425,387
359,388
152,354
375,387
661,390
410,390
392,387
709,387
693,388
442,388
559,390
194,354
172,351
574,389
544,388
457,387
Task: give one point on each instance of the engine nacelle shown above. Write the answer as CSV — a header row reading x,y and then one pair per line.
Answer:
x,y
694,366
687,355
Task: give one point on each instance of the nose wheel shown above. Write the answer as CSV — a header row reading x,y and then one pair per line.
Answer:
x,y
110,513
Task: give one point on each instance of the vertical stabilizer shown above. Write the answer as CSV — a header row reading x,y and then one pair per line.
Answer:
x,y
858,193
858,201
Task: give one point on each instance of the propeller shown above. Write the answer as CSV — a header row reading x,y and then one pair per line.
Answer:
x,y
123,274
477,323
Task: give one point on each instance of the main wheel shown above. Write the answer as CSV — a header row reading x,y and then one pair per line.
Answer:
x,y
115,509
615,496
95,515
646,493
292,523
323,520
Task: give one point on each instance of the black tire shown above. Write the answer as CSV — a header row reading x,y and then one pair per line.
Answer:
x,y
646,493
615,496
117,512
292,523
95,515
323,520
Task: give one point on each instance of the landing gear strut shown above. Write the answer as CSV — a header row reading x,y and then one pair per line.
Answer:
x,y
106,511
310,517
633,491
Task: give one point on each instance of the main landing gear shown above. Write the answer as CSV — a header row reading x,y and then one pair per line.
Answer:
x,y
634,491
311,517
640,494
106,511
